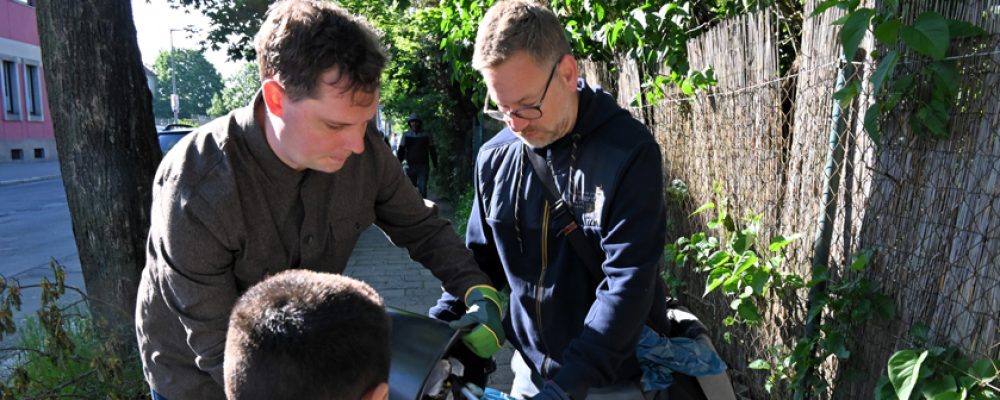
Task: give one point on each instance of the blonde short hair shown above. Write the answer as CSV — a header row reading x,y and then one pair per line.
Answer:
x,y
511,26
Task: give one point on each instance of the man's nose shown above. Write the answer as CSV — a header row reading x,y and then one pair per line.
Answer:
x,y
356,140
516,123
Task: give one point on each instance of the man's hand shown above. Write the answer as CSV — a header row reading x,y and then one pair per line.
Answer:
x,y
486,313
551,391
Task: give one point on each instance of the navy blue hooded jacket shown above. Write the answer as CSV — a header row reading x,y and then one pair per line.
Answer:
x,y
572,327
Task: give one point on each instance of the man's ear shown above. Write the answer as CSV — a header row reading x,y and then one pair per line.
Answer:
x,y
568,70
380,392
274,94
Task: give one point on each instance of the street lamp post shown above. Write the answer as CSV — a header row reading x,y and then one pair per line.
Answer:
x,y
175,103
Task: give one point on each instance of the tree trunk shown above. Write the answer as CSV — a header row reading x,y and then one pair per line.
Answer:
x,y
107,147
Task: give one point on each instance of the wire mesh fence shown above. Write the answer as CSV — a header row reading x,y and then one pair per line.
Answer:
x,y
929,208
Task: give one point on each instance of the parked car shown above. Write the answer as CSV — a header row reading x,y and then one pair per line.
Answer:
x,y
172,133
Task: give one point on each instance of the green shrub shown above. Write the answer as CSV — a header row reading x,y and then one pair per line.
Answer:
x,y
463,207
59,351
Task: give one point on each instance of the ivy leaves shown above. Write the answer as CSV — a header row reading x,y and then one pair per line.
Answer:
x,y
932,91
937,373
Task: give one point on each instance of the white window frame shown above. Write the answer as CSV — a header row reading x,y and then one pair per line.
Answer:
x,y
33,92
10,84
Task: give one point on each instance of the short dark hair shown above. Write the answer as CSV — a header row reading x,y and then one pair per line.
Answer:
x,y
307,335
301,39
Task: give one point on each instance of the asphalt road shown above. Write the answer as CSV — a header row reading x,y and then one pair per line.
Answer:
x,y
35,228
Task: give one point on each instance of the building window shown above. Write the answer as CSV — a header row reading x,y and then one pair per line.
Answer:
x,y
39,152
33,92
11,100
16,154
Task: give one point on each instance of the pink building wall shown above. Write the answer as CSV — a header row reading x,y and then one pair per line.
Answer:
x,y
17,22
18,31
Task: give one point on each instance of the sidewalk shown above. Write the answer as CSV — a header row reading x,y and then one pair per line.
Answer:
x,y
17,172
404,283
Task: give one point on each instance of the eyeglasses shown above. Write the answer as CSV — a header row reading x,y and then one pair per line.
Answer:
x,y
526,112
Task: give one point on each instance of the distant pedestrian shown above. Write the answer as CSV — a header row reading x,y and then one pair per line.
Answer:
x,y
417,149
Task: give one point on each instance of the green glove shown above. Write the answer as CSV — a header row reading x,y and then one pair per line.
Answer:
x,y
485,311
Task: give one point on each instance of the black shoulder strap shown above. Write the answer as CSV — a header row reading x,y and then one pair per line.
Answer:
x,y
564,218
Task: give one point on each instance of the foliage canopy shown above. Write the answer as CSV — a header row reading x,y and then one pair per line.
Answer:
x,y
197,82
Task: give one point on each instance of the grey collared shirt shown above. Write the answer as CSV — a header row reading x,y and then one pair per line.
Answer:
x,y
227,212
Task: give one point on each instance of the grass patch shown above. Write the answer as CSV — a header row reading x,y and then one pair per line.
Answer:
x,y
78,365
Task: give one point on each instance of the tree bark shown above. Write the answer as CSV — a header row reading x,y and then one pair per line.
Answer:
x,y
105,137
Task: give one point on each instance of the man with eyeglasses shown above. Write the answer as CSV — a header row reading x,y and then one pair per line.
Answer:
x,y
574,329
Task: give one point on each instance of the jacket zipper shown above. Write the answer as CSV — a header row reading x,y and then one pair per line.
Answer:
x,y
539,287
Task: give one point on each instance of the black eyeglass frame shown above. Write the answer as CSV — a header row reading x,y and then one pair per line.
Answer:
x,y
520,112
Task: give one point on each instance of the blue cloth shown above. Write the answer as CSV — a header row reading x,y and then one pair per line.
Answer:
x,y
659,357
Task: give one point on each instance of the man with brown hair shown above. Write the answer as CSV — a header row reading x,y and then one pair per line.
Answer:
x,y
292,179
307,335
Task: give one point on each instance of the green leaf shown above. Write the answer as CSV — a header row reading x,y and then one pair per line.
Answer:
x,y
757,281
686,87
934,117
854,30
845,95
840,21
715,278
728,222
717,259
815,310
779,242
820,274
884,70
740,242
884,390
942,387
826,5
900,87
920,332
946,78
885,307
961,29
747,260
888,32
904,371
928,35
759,365
871,124
749,313
860,259
984,370
731,284
707,206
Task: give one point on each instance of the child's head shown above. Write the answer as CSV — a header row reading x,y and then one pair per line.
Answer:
x,y
308,335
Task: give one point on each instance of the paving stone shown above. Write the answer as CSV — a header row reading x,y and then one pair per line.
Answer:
x,y
404,283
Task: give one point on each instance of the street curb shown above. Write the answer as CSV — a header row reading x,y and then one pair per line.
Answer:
x,y
13,182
